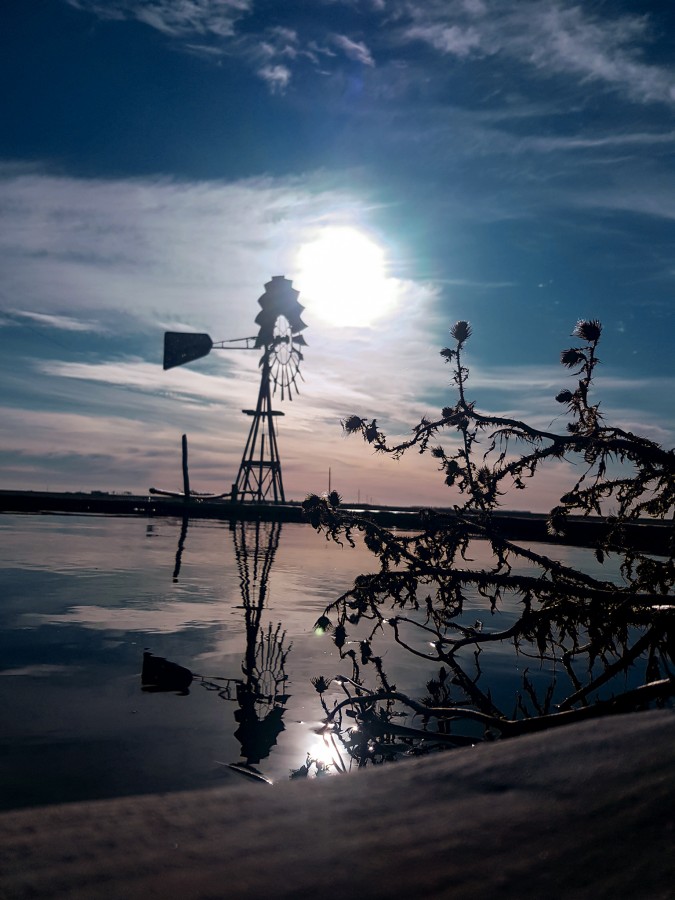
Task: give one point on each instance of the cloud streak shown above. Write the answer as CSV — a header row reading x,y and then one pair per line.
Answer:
x,y
173,18
554,38
61,323
157,248
355,50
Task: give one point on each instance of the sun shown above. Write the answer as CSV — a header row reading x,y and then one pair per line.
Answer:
x,y
342,278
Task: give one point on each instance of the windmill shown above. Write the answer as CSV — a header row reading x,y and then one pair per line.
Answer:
x,y
259,477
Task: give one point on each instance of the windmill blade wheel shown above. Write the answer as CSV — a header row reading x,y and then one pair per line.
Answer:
x,y
284,358
280,324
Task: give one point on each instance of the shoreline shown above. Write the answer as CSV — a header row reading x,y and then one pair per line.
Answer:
x,y
646,536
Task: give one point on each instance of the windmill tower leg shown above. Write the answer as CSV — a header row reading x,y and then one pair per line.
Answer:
x,y
259,476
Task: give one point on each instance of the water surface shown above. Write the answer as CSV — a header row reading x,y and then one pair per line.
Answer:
x,y
84,596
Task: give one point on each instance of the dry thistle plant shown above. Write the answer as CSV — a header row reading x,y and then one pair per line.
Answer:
x,y
582,628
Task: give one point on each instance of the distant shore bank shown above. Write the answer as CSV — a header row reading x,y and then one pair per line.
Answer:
x,y
651,537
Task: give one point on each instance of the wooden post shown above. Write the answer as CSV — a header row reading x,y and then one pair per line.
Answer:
x,y
186,477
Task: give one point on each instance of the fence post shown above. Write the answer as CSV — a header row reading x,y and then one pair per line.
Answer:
x,y
186,477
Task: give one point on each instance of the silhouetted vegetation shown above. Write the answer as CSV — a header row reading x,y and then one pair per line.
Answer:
x,y
587,640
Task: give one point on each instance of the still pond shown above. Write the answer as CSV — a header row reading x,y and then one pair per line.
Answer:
x,y
84,597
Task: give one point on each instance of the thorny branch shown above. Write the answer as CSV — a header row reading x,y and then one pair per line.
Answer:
x,y
585,630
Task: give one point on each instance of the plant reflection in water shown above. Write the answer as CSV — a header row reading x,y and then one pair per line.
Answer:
x,y
591,646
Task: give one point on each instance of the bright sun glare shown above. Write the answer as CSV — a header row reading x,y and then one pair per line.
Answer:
x,y
342,278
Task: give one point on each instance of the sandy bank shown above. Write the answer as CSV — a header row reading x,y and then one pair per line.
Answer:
x,y
583,811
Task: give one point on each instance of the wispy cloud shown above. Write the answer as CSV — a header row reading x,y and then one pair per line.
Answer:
x,y
566,143
474,283
63,323
174,18
277,77
211,28
139,375
453,39
157,248
649,193
355,50
551,36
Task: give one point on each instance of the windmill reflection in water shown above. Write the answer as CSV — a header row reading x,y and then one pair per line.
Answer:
x,y
261,693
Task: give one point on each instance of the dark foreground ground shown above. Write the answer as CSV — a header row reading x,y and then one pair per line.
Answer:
x,y
584,811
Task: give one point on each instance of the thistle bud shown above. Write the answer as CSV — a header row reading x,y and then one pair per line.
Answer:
x,y
323,624
571,358
352,424
461,331
564,397
588,330
334,499
370,432
321,684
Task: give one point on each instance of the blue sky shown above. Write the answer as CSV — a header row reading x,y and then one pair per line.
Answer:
x,y
507,162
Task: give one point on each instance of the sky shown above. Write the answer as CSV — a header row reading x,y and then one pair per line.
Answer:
x,y
405,164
